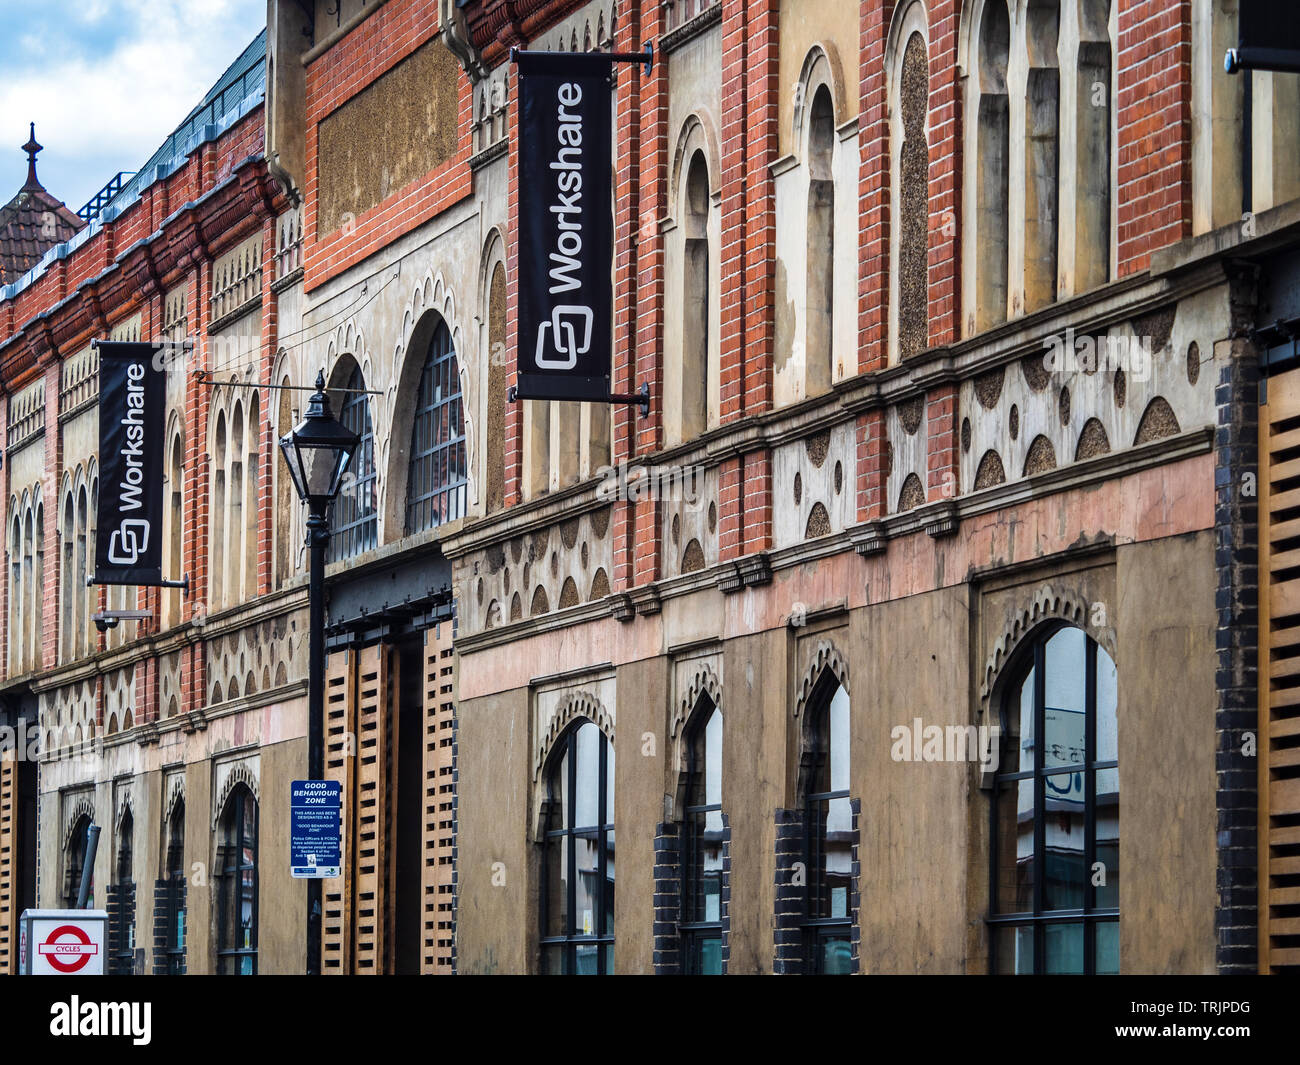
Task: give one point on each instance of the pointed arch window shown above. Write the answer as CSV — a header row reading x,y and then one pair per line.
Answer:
x,y
577,895
436,481
1054,827
237,885
173,917
74,861
121,959
703,834
354,525
828,834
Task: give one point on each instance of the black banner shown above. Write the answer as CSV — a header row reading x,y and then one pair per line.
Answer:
x,y
1268,36
132,409
566,226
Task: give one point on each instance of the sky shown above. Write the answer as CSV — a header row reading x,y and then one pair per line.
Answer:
x,y
106,81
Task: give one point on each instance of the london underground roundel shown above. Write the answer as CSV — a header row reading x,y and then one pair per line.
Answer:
x,y
68,948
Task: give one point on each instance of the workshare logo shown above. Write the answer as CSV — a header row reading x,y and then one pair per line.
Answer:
x,y
566,334
133,1020
130,541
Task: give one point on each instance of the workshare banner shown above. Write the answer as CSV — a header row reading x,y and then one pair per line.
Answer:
x,y
566,226
132,406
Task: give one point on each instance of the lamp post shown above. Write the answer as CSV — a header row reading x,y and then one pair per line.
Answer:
x,y
317,452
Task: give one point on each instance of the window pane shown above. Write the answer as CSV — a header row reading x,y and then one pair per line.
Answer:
x,y
1064,949
587,959
1064,868
1107,933
1015,950
707,956
1065,658
557,886
1108,856
1024,728
609,882
713,760
584,845
586,801
836,855
839,740
553,959
1015,842
1107,701
836,957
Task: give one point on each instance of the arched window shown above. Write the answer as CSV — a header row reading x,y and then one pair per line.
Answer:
x,y
435,485
237,885
695,300
29,583
988,251
121,959
284,496
1042,152
92,593
235,532
15,590
1054,830
820,332
828,834
702,844
82,591
577,900
174,904
496,391
175,524
252,487
69,593
74,861
38,587
217,555
354,525
910,175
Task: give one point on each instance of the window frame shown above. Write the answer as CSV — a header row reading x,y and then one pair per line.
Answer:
x,y
694,933
569,833
817,930
354,528
434,496
231,878
175,912
1034,659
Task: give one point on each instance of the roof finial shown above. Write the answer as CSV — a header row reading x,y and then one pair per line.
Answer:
x,y
31,148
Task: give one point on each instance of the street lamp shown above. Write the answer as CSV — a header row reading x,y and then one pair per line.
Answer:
x,y
317,452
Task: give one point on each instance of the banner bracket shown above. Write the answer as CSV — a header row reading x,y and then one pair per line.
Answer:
x,y
641,397
645,57
183,584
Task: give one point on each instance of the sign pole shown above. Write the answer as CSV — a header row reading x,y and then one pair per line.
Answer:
x,y
317,540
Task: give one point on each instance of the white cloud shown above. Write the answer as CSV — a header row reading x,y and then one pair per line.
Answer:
x,y
108,91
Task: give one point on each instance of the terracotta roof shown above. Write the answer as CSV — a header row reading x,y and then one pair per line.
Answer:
x,y
32,223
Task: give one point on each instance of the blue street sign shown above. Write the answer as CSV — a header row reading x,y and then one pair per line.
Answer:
x,y
315,829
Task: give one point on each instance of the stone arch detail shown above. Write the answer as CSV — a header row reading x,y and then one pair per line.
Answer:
x,y
174,796
1049,603
826,657
239,774
576,705
84,806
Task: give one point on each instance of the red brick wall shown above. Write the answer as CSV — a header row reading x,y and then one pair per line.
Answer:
x,y
375,46
1155,128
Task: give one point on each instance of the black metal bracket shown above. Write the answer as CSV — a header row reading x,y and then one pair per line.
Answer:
x,y
646,57
183,584
641,397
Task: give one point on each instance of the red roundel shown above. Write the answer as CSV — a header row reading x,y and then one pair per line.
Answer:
x,y
68,955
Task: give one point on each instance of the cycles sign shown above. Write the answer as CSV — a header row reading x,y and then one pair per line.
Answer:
x,y
63,942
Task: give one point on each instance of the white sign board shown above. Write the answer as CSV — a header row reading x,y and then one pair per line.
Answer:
x,y
62,942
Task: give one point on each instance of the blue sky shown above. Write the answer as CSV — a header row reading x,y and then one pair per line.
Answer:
x,y
106,81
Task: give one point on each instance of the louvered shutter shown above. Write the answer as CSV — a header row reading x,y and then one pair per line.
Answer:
x,y
1279,655
438,881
